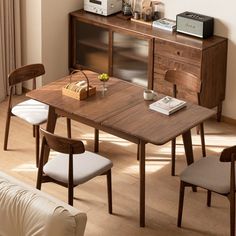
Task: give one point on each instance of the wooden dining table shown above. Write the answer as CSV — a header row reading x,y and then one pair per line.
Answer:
x,y
122,111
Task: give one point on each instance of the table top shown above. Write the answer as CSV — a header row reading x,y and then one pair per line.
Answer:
x,y
123,109
154,127
119,96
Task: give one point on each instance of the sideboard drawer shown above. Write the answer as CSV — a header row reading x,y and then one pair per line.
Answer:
x,y
179,52
162,64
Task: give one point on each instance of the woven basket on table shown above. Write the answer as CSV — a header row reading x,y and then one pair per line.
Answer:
x,y
80,93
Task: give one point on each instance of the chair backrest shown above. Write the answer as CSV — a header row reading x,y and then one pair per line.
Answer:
x,y
62,144
25,73
186,81
227,154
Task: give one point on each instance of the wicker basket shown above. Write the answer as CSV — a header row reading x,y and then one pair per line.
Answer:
x,y
78,92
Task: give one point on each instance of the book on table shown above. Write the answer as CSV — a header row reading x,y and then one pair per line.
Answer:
x,y
165,24
167,105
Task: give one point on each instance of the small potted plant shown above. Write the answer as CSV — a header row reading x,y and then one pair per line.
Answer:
x,y
104,78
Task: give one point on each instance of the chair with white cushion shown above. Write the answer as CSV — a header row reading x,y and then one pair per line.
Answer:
x,y
72,165
31,111
214,174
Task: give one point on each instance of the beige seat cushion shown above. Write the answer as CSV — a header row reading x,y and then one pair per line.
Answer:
x,y
86,166
32,111
26,211
208,173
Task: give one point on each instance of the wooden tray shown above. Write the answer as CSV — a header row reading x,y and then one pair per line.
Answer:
x,y
80,93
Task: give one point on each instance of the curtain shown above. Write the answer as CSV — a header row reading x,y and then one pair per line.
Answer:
x,y
10,43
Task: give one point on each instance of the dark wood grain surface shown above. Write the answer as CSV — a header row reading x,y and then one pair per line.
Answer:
x,y
122,108
154,127
119,96
145,30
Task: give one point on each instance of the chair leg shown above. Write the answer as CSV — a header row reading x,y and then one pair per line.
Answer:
x,y
96,140
137,152
70,194
173,144
37,143
202,140
34,131
40,168
7,127
39,179
232,214
208,198
181,203
109,191
68,124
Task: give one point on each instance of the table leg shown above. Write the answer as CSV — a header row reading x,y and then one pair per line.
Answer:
x,y
68,126
96,140
142,182
219,112
51,123
187,140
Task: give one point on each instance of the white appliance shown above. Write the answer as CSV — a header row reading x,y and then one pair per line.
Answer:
x,y
103,7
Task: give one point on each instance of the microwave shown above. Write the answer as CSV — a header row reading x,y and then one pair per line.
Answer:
x,y
103,7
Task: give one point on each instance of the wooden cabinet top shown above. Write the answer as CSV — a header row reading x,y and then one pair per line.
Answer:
x,y
116,23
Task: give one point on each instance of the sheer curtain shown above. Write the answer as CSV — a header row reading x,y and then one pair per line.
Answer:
x,y
10,45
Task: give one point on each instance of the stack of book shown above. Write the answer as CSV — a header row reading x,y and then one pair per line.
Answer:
x,y
167,105
165,24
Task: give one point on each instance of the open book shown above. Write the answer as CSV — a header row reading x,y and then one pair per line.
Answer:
x,y
167,105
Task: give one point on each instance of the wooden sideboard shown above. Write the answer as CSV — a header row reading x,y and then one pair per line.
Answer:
x,y
141,54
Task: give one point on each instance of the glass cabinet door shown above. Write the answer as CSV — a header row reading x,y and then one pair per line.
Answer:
x,y
91,47
130,58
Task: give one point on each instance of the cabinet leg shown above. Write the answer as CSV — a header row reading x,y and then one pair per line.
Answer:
x,y
219,112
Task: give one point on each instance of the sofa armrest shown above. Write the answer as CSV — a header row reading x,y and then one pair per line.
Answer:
x,y
27,211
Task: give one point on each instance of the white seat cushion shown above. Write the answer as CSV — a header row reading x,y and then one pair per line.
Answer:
x,y
32,111
85,166
209,173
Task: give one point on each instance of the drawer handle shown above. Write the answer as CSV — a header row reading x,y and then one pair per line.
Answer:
x,y
178,53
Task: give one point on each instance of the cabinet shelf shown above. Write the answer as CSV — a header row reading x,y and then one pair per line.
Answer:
x,y
131,55
93,44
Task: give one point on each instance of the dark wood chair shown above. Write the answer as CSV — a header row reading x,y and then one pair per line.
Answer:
x,y
72,165
31,111
214,174
189,86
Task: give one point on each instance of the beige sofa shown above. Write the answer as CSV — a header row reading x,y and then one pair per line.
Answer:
x,y
26,211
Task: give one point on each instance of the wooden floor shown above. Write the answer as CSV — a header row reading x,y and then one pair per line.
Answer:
x,y
161,189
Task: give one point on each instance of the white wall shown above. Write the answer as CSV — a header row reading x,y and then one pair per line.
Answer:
x,y
31,33
55,22
45,35
225,25
45,30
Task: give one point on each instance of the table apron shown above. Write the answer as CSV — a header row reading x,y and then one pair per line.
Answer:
x,y
98,126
